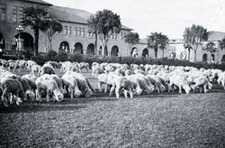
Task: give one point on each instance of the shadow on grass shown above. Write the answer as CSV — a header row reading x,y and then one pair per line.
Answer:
x,y
67,104
39,107
160,95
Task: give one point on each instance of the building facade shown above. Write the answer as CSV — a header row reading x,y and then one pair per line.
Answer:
x,y
76,36
11,13
202,55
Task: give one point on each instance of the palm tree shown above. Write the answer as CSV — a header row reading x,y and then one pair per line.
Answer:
x,y
187,39
33,16
194,35
106,23
157,40
222,43
93,26
164,40
49,27
189,47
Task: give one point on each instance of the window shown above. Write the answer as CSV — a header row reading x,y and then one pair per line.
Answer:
x,y
75,30
79,31
122,34
21,13
3,12
114,36
14,13
89,33
83,32
67,30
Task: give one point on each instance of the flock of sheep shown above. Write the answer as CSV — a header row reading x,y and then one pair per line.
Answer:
x,y
43,84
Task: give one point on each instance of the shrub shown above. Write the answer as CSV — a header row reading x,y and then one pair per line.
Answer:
x,y
62,56
51,55
40,59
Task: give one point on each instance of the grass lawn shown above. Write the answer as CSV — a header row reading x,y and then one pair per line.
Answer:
x,y
157,120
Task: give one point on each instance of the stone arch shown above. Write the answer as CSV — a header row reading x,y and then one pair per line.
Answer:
x,y
223,59
64,46
115,51
91,49
78,48
205,57
134,52
145,53
26,43
106,50
213,58
2,41
2,44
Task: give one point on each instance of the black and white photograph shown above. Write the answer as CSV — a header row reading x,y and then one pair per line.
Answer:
x,y
112,74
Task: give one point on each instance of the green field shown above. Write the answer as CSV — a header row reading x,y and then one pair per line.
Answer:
x,y
156,120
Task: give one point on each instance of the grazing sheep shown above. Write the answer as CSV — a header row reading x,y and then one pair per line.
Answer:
x,y
180,81
221,79
156,81
78,84
121,83
13,87
47,84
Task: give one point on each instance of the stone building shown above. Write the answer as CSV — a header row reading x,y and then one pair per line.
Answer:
x,y
11,12
75,37
202,55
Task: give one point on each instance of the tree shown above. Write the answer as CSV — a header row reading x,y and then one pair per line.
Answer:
x,y
187,44
210,47
222,43
132,38
189,47
193,36
93,25
33,16
105,23
49,27
157,40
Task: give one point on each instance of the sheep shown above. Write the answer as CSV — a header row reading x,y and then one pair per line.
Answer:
x,y
13,87
79,83
179,80
121,83
47,84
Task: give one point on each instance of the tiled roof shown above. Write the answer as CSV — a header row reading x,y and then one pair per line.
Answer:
x,y
72,15
39,2
69,14
215,35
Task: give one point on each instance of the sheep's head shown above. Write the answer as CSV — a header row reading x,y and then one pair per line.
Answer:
x,y
58,95
30,95
187,89
210,86
88,93
139,90
77,93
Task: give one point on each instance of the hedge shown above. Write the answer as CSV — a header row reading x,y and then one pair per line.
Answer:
x,y
62,56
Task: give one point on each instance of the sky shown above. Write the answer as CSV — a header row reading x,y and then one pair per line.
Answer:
x,y
170,17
